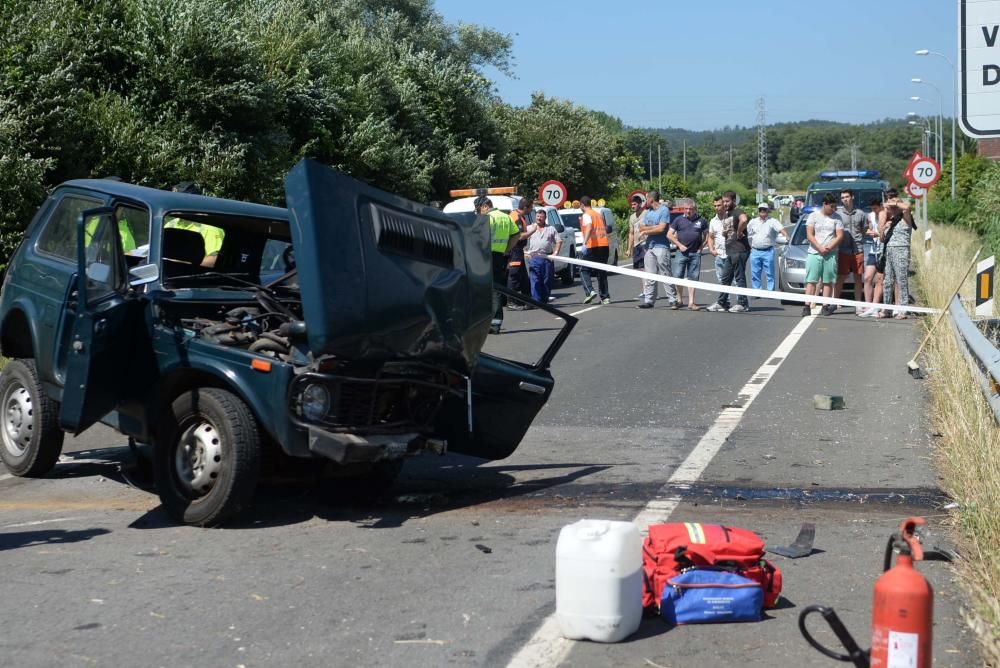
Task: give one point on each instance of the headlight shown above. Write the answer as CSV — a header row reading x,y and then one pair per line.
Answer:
x,y
792,263
315,402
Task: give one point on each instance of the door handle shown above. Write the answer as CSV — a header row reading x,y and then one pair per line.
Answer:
x,y
531,387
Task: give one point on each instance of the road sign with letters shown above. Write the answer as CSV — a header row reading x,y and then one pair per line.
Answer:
x,y
979,67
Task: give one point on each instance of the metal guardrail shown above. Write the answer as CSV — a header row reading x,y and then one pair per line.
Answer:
x,y
983,356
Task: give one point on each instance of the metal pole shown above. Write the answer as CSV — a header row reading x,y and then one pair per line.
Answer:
x,y
730,162
659,166
954,106
685,177
651,164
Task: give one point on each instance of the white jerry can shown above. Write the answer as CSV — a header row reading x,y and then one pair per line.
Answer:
x,y
599,580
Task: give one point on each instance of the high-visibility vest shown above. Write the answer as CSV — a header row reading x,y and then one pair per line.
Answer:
x,y
124,232
502,228
598,232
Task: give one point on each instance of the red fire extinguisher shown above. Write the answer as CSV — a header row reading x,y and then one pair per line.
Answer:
x,y
902,609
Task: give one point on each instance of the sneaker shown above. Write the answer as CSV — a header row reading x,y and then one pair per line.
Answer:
x,y
675,306
515,307
589,298
552,299
605,302
494,329
806,310
828,309
716,308
644,305
738,308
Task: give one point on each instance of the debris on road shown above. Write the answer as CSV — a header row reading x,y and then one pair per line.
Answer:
x,y
482,548
828,402
803,545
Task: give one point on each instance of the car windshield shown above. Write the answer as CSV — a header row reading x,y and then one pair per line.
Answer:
x,y
571,219
251,251
466,217
863,197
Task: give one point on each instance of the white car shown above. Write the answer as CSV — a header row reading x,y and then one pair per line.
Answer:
x,y
463,209
571,218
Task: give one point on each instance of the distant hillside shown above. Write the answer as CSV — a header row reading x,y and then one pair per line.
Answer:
x,y
738,134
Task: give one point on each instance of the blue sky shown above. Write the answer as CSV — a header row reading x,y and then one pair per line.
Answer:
x,y
701,64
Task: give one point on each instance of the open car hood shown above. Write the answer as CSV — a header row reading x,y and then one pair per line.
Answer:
x,y
382,277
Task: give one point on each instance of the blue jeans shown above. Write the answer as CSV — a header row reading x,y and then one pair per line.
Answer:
x,y
720,271
687,265
540,271
761,260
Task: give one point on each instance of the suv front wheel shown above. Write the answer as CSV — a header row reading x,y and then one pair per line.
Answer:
x,y
30,438
207,457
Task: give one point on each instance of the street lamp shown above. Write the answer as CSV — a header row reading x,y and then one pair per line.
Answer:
x,y
930,150
917,80
927,132
954,107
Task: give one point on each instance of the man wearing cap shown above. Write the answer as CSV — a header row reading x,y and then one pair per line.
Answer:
x,y
504,234
763,232
517,265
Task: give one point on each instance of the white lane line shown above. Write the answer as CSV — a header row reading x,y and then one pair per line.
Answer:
x,y
5,476
589,308
37,522
547,648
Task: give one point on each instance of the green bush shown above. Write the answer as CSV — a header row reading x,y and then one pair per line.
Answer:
x,y
949,212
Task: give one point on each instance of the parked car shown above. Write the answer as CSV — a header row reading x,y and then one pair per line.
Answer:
x,y
463,209
791,264
352,336
571,218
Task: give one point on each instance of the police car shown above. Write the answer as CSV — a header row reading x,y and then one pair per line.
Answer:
x,y
505,200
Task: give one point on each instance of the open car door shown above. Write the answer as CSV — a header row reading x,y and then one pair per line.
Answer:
x,y
503,399
104,329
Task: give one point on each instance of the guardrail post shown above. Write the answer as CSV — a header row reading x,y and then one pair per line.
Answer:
x,y
984,287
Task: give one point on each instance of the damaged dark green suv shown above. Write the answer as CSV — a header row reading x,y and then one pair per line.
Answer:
x,y
347,329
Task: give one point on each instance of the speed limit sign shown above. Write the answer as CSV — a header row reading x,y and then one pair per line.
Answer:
x,y
913,190
552,193
641,194
925,172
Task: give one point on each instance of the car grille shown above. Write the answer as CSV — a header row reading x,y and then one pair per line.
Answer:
x,y
401,234
387,403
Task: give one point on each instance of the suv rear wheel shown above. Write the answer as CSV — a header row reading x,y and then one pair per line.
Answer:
x,y
30,438
207,457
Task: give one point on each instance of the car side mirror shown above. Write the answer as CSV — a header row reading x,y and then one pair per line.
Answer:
x,y
560,228
143,274
780,241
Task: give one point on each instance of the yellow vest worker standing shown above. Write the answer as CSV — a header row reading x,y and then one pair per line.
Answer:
x,y
504,234
595,249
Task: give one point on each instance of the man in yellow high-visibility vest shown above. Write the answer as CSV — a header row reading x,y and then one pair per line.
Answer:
x,y
504,233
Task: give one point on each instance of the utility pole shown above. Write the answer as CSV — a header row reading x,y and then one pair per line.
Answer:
x,y
685,168
650,164
730,162
761,151
659,166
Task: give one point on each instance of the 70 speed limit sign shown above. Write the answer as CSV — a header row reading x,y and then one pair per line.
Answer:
x,y
552,193
925,172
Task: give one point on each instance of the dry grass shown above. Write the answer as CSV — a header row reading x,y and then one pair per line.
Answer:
x,y
968,452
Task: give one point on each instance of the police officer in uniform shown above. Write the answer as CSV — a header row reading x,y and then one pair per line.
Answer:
x,y
504,234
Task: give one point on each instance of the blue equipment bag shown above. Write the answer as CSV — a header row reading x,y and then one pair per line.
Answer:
x,y
700,596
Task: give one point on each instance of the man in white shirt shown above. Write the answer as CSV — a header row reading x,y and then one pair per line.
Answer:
x,y
825,231
542,240
717,247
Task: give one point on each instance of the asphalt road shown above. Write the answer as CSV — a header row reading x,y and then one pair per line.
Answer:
x,y
456,565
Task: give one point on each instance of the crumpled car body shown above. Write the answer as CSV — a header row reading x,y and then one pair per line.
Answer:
x,y
347,328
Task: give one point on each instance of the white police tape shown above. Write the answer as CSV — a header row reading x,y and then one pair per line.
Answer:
x,y
734,290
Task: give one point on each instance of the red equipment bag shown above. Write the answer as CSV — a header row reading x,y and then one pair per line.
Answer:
x,y
670,549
